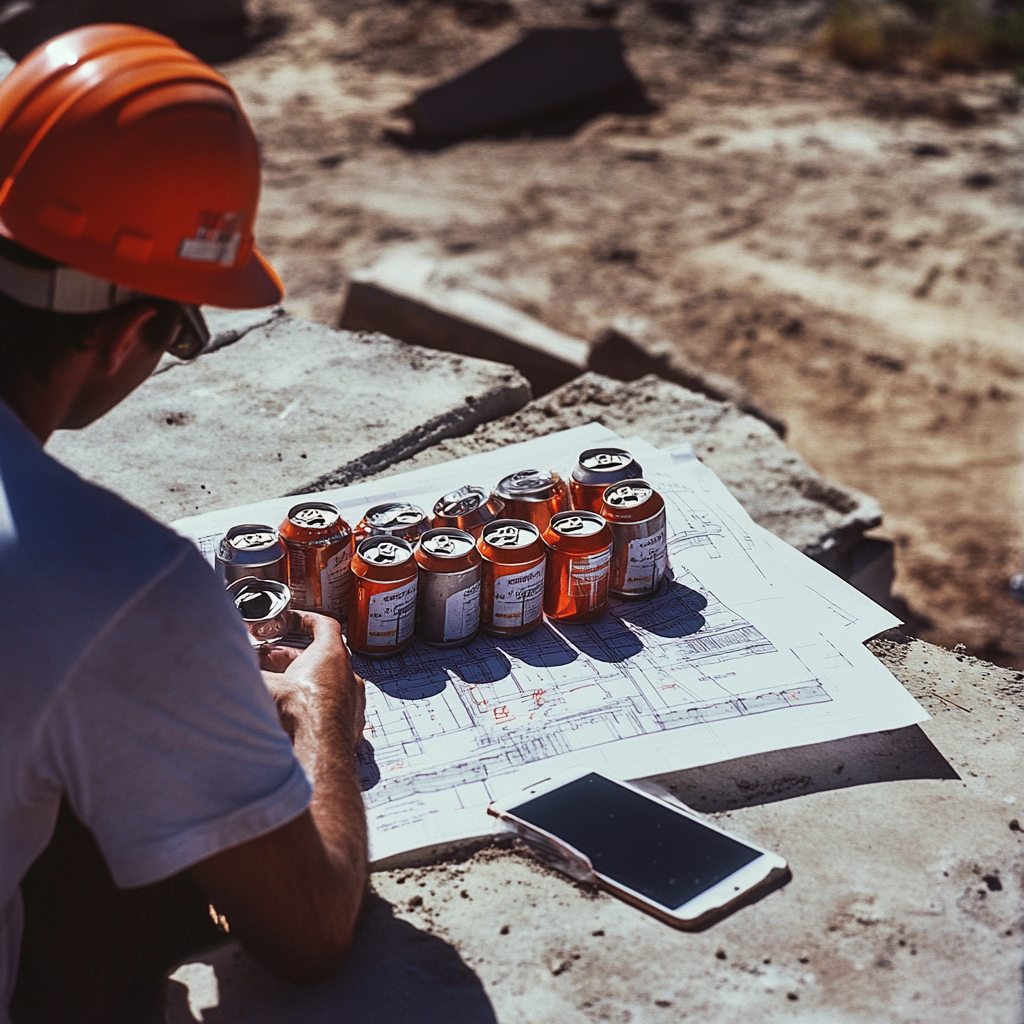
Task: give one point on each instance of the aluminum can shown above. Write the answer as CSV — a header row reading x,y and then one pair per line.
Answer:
x,y
393,519
596,469
512,580
320,547
448,602
382,601
636,513
253,550
533,495
263,605
579,566
469,508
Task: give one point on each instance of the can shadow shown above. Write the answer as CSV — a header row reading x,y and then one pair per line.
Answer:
x,y
674,611
478,662
543,648
367,769
404,676
605,640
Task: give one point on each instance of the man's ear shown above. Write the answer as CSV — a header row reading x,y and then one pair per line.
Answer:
x,y
116,338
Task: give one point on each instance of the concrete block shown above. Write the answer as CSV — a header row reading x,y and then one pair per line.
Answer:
x,y
279,411
401,297
776,486
617,355
547,69
906,850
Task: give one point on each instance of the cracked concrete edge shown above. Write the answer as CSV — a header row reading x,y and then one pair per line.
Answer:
x,y
226,327
499,401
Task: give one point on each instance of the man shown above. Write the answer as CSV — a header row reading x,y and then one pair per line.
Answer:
x,y
144,772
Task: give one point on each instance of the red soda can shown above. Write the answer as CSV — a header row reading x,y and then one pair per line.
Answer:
x,y
382,601
636,513
512,581
448,600
393,519
579,566
469,508
596,469
533,495
320,547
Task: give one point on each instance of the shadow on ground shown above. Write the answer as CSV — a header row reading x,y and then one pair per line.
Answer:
x,y
855,761
394,973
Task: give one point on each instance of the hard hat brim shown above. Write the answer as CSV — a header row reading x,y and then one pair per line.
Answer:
x,y
249,287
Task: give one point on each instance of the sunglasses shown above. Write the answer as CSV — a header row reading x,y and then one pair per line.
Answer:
x,y
192,336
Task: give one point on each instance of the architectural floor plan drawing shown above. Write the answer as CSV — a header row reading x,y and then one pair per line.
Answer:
x,y
747,647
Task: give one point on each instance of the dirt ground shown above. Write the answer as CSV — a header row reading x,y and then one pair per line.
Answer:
x,y
847,244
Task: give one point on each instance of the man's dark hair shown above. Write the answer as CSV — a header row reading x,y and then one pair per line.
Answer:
x,y
36,340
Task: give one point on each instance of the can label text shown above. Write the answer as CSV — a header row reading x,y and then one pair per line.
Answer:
x,y
462,613
518,598
391,616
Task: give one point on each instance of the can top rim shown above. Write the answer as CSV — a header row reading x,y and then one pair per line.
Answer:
x,y
637,485
229,540
529,484
428,540
620,459
594,520
504,524
334,514
401,545
280,596
396,509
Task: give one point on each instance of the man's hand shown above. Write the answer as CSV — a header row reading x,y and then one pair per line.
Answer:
x,y
303,683
292,895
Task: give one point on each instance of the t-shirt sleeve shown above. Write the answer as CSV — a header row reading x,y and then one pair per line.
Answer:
x,y
165,737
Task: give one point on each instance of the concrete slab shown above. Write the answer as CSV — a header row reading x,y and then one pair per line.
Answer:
x,y
907,853
776,486
406,296
280,410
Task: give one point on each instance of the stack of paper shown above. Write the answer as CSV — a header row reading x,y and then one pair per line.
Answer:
x,y
752,647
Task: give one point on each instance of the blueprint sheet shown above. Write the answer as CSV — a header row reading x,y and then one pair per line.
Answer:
x,y
749,647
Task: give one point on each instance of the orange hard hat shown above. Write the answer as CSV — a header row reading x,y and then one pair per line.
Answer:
x,y
129,159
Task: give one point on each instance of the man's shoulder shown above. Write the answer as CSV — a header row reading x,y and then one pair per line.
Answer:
x,y
72,552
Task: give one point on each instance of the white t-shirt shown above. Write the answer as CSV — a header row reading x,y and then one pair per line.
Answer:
x,y
128,683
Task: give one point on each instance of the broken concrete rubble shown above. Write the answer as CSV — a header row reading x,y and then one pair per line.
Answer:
x,y
776,486
907,851
547,69
280,410
617,355
400,296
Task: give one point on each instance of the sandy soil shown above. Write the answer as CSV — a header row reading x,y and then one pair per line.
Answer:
x,y
846,244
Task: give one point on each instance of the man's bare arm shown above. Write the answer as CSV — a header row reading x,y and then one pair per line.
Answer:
x,y
292,896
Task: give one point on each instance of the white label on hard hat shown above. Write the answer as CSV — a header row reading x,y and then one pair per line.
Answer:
x,y
391,616
216,239
517,598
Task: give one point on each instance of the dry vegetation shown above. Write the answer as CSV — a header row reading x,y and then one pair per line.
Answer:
x,y
844,241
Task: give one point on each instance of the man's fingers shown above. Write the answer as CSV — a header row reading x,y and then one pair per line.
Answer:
x,y
322,627
276,659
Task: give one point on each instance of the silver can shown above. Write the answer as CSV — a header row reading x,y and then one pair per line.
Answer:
x,y
263,605
636,513
448,601
253,549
